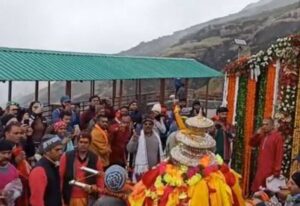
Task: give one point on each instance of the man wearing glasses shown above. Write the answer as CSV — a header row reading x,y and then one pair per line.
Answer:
x,y
147,148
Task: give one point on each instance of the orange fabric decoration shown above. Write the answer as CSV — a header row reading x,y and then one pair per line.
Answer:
x,y
248,132
230,97
205,161
268,108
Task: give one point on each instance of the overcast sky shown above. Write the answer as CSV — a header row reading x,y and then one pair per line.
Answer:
x,y
103,26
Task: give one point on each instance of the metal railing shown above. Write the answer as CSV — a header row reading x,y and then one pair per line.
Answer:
x,y
146,100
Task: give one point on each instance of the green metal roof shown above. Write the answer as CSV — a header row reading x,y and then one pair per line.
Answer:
x,y
29,65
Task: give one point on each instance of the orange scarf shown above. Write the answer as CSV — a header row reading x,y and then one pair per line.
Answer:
x,y
103,133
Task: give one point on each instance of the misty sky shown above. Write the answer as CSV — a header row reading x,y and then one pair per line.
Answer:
x,y
103,26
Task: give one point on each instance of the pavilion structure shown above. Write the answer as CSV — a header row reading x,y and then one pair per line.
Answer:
x,y
42,65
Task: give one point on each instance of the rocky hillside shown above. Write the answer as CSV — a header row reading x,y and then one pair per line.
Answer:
x,y
213,42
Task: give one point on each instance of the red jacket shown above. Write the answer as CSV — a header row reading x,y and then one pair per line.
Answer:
x,y
118,141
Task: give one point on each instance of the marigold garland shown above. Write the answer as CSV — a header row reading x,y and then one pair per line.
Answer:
x,y
248,132
271,73
230,97
177,185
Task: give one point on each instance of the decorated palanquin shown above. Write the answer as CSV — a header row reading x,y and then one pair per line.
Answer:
x,y
193,175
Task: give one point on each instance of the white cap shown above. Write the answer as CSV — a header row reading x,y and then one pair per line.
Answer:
x,y
156,108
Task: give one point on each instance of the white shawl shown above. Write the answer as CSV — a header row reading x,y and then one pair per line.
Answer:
x,y
141,158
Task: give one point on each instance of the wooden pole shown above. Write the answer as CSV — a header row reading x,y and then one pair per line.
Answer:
x,y
140,92
49,89
92,87
206,95
186,87
114,91
36,94
9,90
162,91
120,93
69,88
136,88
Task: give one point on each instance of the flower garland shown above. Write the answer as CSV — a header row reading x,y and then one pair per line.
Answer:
x,y
296,136
231,97
271,73
259,112
177,185
286,113
248,132
286,50
238,149
238,67
281,49
225,91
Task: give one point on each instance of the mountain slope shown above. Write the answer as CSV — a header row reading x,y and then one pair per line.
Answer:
x,y
157,47
213,45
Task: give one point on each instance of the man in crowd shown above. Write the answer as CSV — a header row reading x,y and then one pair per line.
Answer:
x,y
60,129
100,144
223,132
123,111
90,113
159,123
147,148
10,184
11,113
13,133
70,168
120,134
136,116
12,108
44,180
180,90
66,105
66,117
196,108
294,187
270,148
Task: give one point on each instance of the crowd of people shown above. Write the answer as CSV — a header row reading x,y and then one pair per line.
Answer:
x,y
39,157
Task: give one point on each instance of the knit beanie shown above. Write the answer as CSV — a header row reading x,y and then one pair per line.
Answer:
x,y
5,145
49,142
115,178
296,178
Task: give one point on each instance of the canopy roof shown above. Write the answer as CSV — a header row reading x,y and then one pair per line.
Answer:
x,y
30,65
